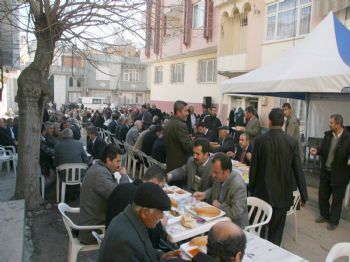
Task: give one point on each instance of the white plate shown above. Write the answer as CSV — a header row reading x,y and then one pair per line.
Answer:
x,y
186,248
172,219
203,204
175,195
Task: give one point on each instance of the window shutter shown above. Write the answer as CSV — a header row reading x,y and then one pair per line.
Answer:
x,y
187,23
208,20
148,28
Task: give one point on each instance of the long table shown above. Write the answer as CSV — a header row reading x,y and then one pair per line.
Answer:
x,y
261,250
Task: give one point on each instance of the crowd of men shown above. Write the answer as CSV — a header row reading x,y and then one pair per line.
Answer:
x,y
198,151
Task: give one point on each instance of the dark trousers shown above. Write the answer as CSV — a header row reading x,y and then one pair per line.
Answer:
x,y
325,191
276,225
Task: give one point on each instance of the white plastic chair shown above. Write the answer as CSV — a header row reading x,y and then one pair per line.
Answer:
x,y
99,237
74,244
72,174
262,213
131,160
339,250
293,210
4,158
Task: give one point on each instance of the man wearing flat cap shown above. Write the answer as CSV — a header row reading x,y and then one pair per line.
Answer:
x,y
226,142
126,238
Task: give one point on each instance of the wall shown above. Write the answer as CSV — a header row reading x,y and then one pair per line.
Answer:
x,y
60,89
190,90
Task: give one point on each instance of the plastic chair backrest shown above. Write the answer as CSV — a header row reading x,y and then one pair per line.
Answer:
x,y
296,200
72,171
339,250
259,214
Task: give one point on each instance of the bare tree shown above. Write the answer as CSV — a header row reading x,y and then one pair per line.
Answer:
x,y
84,23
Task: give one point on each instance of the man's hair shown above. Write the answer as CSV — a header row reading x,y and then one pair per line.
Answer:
x,y
204,143
48,123
205,106
115,116
111,151
179,105
338,119
92,130
250,109
224,160
67,133
225,249
154,172
202,124
287,105
276,117
246,136
213,107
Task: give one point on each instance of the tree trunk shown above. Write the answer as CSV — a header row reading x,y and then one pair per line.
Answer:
x,y
32,95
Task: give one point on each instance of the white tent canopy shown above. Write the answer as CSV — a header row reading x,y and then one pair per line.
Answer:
x,y
320,63
314,66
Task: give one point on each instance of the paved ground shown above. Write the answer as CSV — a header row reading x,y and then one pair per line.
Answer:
x,y
47,239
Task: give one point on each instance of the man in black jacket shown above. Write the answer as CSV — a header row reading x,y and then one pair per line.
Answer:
x,y
275,160
97,145
335,172
123,195
226,142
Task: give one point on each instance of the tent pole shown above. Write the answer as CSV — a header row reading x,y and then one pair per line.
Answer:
x,y
307,102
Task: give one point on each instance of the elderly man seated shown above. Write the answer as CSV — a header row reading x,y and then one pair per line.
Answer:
x,y
69,150
97,186
229,192
226,142
245,150
126,238
197,171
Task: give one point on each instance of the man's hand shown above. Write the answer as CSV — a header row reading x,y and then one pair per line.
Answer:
x,y
230,154
170,254
313,151
199,196
122,170
249,156
214,144
169,176
348,162
240,128
164,221
216,204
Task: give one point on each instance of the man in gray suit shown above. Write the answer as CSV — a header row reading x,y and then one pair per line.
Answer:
x,y
198,168
133,133
252,127
97,186
69,150
229,192
291,126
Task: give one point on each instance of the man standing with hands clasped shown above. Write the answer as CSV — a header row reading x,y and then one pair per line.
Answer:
x,y
335,171
275,160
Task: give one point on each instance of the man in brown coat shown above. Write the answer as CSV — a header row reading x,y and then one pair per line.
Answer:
x,y
176,137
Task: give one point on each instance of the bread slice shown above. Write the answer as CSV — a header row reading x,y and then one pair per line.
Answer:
x,y
208,211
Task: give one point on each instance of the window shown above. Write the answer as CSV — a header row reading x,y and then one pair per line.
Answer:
x,y
158,74
288,18
71,81
73,97
207,71
78,83
131,75
102,73
198,15
177,73
97,101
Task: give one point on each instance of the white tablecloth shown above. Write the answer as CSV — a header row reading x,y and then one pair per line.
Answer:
x,y
176,232
261,250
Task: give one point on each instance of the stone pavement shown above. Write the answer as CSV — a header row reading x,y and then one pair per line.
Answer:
x,y
12,220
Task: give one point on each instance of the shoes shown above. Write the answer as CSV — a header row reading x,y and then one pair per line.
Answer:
x,y
321,219
331,227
